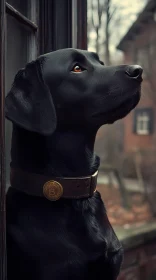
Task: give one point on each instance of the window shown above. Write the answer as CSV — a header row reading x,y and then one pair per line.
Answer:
x,y
29,28
142,125
21,47
24,7
127,147
33,27
143,121
142,59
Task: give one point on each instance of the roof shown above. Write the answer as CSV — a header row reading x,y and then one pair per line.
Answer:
x,y
143,17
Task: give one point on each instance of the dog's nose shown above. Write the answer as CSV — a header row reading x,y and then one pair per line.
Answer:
x,y
134,71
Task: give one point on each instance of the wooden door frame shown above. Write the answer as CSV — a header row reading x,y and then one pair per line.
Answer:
x,y
2,145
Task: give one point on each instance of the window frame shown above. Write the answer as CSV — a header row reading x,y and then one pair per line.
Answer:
x,y
50,34
142,123
27,23
55,34
149,111
20,17
31,27
82,24
2,144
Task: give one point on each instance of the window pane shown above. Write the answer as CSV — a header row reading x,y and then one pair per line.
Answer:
x,y
25,7
19,46
122,33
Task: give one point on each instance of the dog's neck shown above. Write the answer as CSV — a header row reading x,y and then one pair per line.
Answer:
x,y
65,153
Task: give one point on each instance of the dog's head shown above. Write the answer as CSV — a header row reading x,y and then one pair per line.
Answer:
x,y
71,88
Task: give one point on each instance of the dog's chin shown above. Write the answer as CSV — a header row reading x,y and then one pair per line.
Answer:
x,y
124,109
120,112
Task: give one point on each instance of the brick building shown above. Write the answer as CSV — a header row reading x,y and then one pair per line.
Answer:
x,y
139,47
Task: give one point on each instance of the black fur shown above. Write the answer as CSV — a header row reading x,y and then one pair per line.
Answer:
x,y
56,114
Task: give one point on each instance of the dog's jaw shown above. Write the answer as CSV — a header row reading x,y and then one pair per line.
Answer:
x,y
121,111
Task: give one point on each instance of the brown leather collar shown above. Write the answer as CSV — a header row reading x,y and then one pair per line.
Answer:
x,y
53,188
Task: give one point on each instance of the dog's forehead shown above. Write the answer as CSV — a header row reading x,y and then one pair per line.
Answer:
x,y
69,54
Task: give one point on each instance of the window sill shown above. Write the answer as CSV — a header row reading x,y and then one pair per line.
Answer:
x,y
142,133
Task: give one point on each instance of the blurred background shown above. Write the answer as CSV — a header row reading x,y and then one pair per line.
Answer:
x,y
121,32
124,32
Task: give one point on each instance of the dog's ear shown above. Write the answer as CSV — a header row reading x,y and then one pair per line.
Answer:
x,y
29,103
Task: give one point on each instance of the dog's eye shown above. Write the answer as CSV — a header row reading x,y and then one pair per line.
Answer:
x,y
77,68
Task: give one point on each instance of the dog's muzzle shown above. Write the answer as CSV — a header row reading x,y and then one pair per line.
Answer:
x,y
53,188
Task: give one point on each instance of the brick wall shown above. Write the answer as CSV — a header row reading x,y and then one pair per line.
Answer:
x,y
138,42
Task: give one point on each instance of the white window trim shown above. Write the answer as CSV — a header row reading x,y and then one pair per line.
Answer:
x,y
142,123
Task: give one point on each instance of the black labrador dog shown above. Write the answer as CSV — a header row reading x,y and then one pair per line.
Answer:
x,y
57,104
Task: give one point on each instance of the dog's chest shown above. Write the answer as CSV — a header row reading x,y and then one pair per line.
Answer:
x,y
50,239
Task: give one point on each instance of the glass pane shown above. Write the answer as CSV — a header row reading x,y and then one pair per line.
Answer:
x,y
19,47
124,32
25,7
